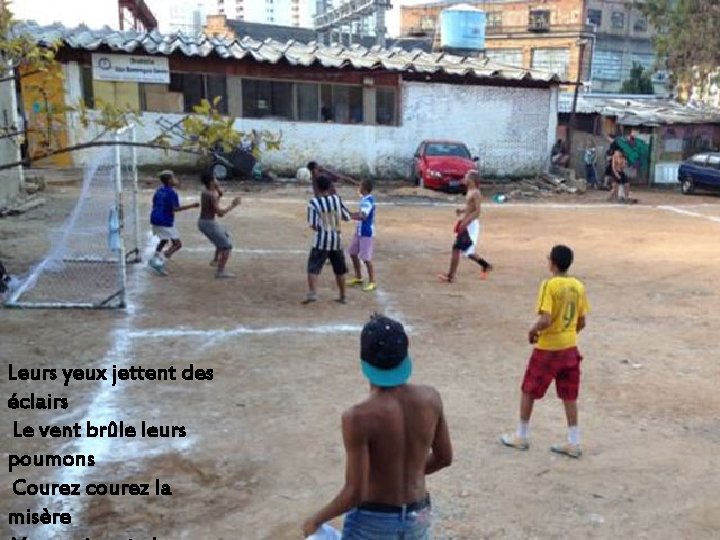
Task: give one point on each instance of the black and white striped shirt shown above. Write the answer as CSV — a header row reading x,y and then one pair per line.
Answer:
x,y
325,213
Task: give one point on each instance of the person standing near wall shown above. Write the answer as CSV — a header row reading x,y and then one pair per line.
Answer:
x,y
590,159
620,189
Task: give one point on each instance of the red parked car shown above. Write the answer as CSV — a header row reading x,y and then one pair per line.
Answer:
x,y
442,165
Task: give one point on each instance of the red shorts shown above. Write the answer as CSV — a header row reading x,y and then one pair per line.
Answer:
x,y
544,366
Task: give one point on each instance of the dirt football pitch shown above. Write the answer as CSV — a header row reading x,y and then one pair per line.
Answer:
x,y
263,447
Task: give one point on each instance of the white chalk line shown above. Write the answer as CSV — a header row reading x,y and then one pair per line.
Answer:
x,y
690,213
242,251
495,206
106,406
460,202
162,333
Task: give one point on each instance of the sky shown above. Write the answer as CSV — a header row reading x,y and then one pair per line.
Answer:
x,y
97,13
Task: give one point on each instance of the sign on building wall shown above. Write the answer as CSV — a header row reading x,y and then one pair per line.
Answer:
x,y
129,68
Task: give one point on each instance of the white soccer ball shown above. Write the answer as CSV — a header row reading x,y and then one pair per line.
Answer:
x,y
303,174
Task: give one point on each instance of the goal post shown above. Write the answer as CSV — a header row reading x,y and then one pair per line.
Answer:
x,y
126,159
86,265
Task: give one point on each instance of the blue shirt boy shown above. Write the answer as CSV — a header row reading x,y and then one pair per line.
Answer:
x,y
165,202
366,227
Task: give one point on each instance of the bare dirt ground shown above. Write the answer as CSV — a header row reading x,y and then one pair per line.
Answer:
x,y
264,447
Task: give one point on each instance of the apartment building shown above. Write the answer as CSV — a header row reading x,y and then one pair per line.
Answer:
x,y
281,12
601,39
623,38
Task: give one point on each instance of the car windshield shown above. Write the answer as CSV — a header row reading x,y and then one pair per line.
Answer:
x,y
447,149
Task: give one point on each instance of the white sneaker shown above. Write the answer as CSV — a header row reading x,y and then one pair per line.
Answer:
x,y
158,266
513,441
567,449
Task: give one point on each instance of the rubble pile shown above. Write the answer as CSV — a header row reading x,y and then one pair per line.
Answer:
x,y
542,187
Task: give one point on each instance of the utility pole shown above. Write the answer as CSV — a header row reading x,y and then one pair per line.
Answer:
x,y
573,111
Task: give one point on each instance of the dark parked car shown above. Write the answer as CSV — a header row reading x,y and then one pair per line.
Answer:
x,y
700,171
442,164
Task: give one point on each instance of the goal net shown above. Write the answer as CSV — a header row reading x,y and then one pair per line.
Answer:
x,y
85,266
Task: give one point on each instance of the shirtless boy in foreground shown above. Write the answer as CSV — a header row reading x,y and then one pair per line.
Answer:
x,y
468,230
393,439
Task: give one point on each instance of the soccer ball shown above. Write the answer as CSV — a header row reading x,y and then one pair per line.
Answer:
x,y
303,174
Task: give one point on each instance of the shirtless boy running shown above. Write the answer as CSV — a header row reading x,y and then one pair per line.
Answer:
x,y
468,230
393,439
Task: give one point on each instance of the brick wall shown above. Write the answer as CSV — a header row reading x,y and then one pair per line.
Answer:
x,y
566,26
216,26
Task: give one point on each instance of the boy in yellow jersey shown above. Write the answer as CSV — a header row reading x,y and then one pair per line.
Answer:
x,y
562,307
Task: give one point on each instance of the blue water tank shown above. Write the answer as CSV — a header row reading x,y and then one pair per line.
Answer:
x,y
462,27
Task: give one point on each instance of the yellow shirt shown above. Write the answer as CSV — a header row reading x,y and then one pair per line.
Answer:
x,y
564,299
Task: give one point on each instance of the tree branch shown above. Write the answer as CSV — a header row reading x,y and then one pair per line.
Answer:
x,y
97,144
11,134
20,75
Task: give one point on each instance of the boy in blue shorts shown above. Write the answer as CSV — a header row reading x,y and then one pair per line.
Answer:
x,y
162,218
362,245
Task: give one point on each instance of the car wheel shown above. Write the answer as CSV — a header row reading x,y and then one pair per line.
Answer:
x,y
687,186
415,176
220,171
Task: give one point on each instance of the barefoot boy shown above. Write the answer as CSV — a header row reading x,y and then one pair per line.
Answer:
x,y
562,307
468,230
361,247
162,218
216,233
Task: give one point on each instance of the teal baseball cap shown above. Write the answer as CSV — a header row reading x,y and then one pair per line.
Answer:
x,y
384,352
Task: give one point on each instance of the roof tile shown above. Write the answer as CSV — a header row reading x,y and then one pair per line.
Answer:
x,y
294,52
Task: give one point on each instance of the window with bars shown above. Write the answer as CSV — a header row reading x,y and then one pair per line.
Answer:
x,y
494,19
640,24
385,106
267,99
195,87
594,16
508,57
552,59
539,20
617,20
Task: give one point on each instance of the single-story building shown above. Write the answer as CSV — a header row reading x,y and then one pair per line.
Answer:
x,y
674,131
362,111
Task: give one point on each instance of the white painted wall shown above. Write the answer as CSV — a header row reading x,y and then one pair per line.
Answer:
x,y
511,130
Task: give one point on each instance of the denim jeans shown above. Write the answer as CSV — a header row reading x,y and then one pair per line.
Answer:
x,y
366,525
590,175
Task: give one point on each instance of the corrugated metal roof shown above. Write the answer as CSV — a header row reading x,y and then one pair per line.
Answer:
x,y
637,111
270,51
